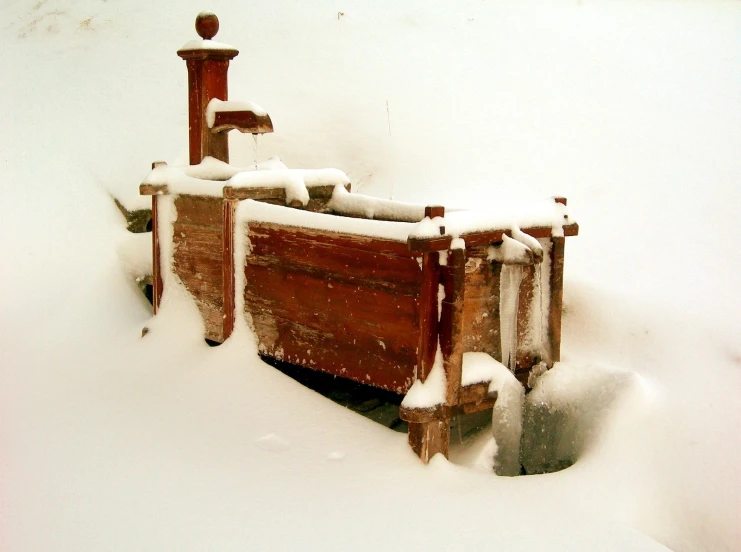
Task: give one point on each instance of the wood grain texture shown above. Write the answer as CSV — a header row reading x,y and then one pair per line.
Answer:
x,y
556,302
428,314
198,257
157,283
451,322
337,303
207,79
429,438
227,266
481,324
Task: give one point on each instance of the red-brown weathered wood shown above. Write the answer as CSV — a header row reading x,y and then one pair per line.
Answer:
x,y
481,324
198,257
157,284
347,261
428,314
451,322
474,239
337,303
257,193
424,415
355,355
432,211
207,79
243,121
328,237
428,439
556,294
153,189
229,207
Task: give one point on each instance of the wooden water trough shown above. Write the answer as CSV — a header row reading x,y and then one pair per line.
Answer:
x,y
384,293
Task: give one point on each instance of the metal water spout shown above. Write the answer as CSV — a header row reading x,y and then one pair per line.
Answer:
x,y
210,113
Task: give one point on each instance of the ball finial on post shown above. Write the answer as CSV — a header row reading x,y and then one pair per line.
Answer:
x,y
207,25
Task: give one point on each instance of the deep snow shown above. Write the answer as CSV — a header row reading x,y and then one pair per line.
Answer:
x,y
630,109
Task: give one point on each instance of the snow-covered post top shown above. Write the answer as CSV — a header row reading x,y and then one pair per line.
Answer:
x,y
208,63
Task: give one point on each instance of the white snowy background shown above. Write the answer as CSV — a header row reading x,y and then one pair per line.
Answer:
x,y
631,109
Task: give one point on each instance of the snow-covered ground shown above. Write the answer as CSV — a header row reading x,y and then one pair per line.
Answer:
x,y
630,109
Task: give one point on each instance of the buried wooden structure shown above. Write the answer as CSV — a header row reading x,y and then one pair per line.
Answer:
x,y
376,291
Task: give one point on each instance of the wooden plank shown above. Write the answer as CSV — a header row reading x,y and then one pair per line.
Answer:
x,y
427,439
153,189
481,324
198,257
252,192
199,210
365,243
428,314
474,239
229,208
353,355
157,283
318,303
451,322
428,245
293,250
424,415
556,303
244,121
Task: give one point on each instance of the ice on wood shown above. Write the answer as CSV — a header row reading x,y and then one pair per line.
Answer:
x,y
507,415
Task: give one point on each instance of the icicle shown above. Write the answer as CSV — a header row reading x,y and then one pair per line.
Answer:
x,y
254,149
509,296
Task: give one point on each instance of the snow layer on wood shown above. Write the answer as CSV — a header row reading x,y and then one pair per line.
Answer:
x,y
510,251
197,44
478,368
220,106
545,213
428,228
209,177
345,203
250,210
215,169
431,392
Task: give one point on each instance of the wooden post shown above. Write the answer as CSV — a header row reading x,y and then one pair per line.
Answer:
x,y
157,285
228,267
429,438
451,323
207,79
556,304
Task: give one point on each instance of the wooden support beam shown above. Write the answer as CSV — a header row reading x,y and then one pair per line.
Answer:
x,y
230,208
157,284
451,322
556,304
153,189
429,438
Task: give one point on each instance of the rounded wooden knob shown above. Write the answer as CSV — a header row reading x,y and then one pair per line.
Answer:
x,y
207,25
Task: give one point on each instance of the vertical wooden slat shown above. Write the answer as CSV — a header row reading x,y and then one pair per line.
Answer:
x,y
230,207
556,303
451,323
157,285
429,438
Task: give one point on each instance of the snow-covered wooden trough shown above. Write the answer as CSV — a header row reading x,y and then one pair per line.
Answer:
x,y
381,292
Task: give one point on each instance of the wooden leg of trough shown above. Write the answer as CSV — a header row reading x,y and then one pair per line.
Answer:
x,y
157,285
429,438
